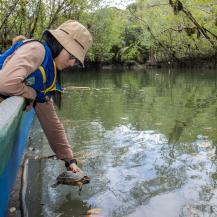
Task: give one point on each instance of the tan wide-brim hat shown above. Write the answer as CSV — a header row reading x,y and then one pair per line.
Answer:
x,y
74,37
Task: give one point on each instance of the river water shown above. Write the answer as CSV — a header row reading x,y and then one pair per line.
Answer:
x,y
147,139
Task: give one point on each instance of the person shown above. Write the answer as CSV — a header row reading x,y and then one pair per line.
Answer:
x,y
18,38
32,69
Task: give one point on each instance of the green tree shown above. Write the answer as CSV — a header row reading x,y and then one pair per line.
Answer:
x,y
107,25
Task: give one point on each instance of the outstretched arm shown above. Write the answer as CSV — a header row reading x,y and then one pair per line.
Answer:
x,y
55,132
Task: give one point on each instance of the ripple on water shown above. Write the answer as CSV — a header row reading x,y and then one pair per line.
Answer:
x,y
138,173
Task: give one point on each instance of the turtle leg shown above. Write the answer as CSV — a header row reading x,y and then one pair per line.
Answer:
x,y
80,187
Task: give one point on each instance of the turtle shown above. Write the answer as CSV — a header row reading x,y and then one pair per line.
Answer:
x,y
95,212
71,178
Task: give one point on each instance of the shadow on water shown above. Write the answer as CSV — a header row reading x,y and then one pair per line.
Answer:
x,y
146,139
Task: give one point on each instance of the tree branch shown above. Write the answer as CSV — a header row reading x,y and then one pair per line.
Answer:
x,y
157,5
54,17
200,29
9,13
171,52
31,33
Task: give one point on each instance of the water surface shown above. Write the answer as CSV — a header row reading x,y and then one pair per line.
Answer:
x,y
147,139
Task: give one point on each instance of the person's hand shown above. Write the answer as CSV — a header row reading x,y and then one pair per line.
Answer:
x,y
74,168
29,106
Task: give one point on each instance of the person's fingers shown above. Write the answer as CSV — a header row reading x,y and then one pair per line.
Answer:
x,y
74,168
28,108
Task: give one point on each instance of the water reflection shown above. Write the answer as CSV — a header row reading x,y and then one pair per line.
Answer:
x,y
147,139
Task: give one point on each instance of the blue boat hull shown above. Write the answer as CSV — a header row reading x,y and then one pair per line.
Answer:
x,y
15,143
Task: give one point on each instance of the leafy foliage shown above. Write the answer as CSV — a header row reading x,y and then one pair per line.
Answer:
x,y
147,30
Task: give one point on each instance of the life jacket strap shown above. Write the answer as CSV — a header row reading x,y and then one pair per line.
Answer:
x,y
43,74
53,85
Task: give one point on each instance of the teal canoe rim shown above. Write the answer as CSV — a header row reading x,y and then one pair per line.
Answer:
x,y
9,108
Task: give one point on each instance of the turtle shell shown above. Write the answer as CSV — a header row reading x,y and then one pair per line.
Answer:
x,y
69,175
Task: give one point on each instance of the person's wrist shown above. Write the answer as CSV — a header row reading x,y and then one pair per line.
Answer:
x,y
69,162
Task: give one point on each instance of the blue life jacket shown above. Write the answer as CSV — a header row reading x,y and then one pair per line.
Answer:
x,y
43,79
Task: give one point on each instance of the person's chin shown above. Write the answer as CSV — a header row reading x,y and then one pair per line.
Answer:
x,y
65,67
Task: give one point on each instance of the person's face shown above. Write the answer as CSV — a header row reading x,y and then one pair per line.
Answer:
x,y
64,60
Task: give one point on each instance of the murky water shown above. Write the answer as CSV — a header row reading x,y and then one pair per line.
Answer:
x,y
147,140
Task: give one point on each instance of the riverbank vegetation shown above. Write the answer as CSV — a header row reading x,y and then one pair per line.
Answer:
x,y
145,32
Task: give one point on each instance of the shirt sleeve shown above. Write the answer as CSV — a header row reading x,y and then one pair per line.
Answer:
x,y
54,130
17,67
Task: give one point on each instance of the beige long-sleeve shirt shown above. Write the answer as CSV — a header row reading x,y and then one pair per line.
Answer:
x,y
24,61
